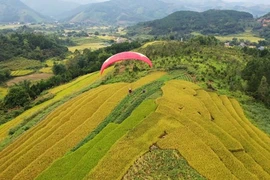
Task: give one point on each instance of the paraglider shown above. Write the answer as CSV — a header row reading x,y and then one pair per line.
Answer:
x,y
125,56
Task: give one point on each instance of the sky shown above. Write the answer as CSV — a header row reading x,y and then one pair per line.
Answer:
x,y
244,1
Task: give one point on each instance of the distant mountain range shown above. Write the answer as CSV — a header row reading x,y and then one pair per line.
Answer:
x,y
114,12
16,11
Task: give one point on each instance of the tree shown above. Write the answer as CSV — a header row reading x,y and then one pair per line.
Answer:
x,y
16,97
59,69
263,89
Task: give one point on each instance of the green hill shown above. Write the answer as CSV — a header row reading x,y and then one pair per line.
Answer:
x,y
221,22
16,11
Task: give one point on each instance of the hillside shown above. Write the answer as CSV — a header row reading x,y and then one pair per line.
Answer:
x,y
208,131
263,27
16,11
119,12
220,22
181,121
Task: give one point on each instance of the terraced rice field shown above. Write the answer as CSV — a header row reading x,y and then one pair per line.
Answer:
x,y
21,72
35,150
60,92
209,131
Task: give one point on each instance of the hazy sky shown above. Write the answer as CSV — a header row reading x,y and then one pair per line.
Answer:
x,y
248,1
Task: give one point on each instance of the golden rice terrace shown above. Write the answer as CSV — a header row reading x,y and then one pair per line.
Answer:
x,y
173,129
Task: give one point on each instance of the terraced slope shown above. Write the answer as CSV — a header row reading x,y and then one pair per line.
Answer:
x,y
59,93
35,150
209,131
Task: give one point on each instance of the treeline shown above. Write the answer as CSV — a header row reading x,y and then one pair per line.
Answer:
x,y
211,22
257,74
21,95
30,45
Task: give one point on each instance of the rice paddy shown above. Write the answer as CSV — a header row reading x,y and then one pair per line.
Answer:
x,y
184,127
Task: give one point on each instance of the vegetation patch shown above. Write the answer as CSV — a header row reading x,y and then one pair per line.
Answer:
x,y
21,64
258,114
3,92
161,164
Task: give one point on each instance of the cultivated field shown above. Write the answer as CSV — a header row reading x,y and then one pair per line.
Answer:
x,y
207,132
247,36
62,129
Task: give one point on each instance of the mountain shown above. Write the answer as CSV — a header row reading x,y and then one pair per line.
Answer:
x,y
16,11
184,22
130,12
119,12
51,8
263,26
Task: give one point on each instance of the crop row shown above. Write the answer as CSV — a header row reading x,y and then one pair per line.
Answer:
x,y
100,149
62,166
127,149
229,124
218,132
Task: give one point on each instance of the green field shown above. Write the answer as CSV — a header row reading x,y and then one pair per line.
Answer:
x,y
93,46
247,36
93,43
21,72
21,64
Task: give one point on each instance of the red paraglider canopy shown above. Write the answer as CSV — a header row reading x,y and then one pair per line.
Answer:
x,y
125,56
